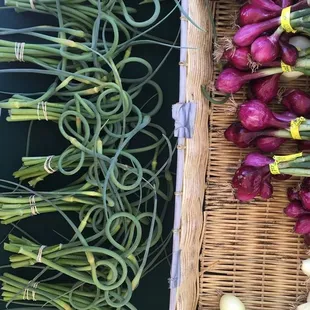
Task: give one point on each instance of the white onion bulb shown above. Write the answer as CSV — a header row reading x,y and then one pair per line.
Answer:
x,y
300,42
231,302
305,267
305,306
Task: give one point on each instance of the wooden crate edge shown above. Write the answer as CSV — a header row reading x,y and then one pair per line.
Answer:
x,y
199,72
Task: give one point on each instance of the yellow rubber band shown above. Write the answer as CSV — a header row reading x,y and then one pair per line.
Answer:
x,y
274,168
281,159
294,128
286,20
285,67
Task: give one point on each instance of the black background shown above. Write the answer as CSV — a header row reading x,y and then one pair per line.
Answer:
x,y
153,292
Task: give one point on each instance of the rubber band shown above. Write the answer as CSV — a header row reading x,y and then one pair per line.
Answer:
x,y
281,159
286,20
35,286
38,111
26,291
285,67
274,167
17,47
32,4
44,110
33,206
34,295
40,253
294,128
47,165
19,51
26,294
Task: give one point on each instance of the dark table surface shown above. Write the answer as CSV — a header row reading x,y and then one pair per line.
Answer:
x,y
153,292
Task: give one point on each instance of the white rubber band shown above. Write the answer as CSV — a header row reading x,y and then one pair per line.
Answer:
x,y
44,110
32,2
33,206
19,51
22,50
38,111
17,47
39,257
47,165
35,285
26,291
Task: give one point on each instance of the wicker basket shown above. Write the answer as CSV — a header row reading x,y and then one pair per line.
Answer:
x,y
220,244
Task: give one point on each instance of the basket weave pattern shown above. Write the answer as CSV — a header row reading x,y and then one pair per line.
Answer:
x,y
248,249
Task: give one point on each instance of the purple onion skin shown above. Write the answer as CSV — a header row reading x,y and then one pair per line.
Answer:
x,y
304,195
244,196
302,225
289,53
295,210
265,49
307,239
303,145
241,137
246,35
239,57
285,37
268,5
265,89
286,3
244,138
230,81
249,181
297,101
266,190
254,115
257,160
269,144
284,116
305,184
250,14
292,194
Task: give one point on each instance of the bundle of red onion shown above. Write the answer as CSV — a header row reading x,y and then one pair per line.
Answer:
x,y
265,140
261,127
299,208
231,80
254,176
265,40
297,102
